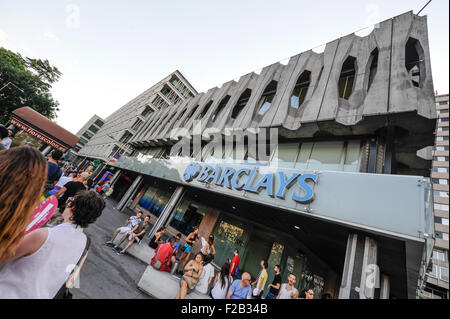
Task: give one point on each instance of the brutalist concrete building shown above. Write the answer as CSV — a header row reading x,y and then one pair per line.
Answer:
x,y
343,199
112,138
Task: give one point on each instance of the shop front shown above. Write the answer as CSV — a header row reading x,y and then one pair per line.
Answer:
x,y
304,221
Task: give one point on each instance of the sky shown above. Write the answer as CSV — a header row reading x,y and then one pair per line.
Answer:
x,y
111,51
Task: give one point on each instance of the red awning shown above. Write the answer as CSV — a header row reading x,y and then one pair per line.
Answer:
x,y
37,125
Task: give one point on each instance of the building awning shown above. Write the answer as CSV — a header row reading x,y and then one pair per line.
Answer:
x,y
40,127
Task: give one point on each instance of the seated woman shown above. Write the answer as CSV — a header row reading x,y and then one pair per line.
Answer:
x,y
156,240
193,272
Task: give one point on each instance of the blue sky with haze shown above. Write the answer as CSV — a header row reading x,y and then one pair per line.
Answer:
x,y
111,51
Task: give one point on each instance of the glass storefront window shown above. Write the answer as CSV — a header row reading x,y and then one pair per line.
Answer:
x,y
187,216
154,200
352,156
326,156
286,155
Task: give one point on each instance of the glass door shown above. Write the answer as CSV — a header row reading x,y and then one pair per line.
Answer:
x,y
229,235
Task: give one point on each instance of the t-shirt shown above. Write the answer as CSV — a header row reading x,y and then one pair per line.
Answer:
x,y
235,260
63,181
53,173
133,221
164,252
141,228
203,282
237,292
6,142
276,280
72,189
262,280
176,246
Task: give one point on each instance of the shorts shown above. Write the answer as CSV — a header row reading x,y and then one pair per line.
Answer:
x,y
137,239
187,249
124,229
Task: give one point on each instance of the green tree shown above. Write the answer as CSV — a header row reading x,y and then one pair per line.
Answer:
x,y
34,77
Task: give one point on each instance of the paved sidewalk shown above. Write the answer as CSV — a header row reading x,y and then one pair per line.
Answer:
x,y
106,274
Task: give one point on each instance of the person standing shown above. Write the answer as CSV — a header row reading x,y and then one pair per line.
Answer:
x,y
187,248
241,289
6,142
46,256
3,136
260,281
275,285
234,263
222,282
288,291
208,247
70,189
54,172
23,171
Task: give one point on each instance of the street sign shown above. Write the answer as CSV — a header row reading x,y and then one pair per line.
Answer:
x,y
96,163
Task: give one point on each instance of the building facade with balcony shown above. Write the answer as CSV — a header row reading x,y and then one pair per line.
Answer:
x,y
315,165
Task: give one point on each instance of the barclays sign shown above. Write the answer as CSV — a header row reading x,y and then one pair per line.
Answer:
x,y
231,178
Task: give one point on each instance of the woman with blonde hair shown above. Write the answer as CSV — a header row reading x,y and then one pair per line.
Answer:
x,y
23,173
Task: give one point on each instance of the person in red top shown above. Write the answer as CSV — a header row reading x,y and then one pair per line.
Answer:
x,y
165,255
234,263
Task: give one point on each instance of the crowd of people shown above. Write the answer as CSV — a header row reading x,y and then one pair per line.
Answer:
x,y
199,274
43,262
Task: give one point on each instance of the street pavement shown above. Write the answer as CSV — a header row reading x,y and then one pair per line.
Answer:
x,y
106,275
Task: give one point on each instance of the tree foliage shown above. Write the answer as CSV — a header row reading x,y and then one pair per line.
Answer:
x,y
34,77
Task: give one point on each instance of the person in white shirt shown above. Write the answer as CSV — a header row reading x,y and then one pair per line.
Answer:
x,y
222,282
8,140
206,276
63,180
46,257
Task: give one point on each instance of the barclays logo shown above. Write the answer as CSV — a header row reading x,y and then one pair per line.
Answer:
x,y
231,178
191,172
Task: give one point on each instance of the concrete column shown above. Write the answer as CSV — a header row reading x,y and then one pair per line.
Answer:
x,y
361,275
129,193
385,287
46,150
115,178
168,211
206,226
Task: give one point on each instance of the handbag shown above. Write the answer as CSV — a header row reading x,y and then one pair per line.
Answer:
x,y
64,292
157,264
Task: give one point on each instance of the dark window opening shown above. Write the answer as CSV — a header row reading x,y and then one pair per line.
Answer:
x,y
266,99
347,78
146,111
300,89
373,60
126,137
219,109
137,124
190,115
241,103
92,128
414,60
98,123
205,110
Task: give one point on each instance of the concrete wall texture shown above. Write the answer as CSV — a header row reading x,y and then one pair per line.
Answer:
x,y
391,91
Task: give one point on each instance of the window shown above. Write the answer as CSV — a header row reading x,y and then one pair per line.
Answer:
x,y
88,135
205,110
347,78
77,148
443,103
373,60
219,109
286,154
126,137
443,273
93,128
146,111
433,273
414,61
438,255
441,207
267,97
300,89
82,141
98,123
241,103
137,124
190,115
442,236
444,221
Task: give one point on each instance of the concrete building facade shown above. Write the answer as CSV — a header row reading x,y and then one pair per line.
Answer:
x,y
437,286
122,125
341,195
